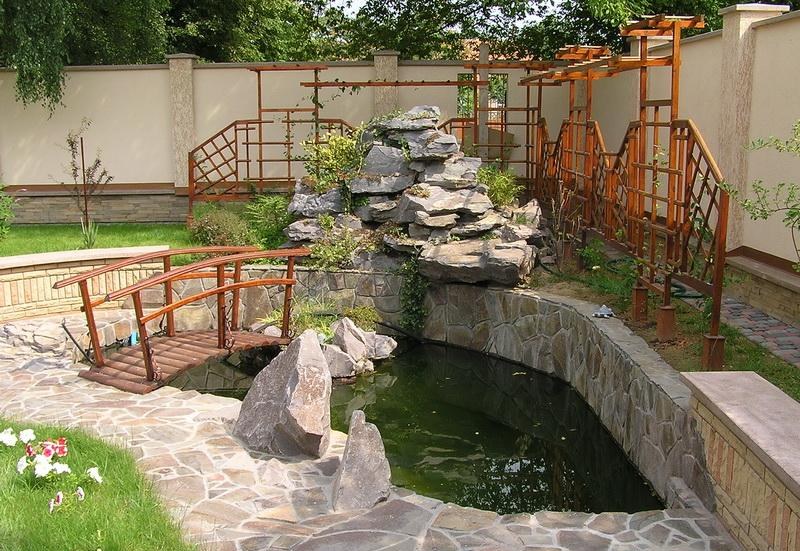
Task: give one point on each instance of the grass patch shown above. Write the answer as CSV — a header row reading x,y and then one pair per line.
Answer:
x,y
45,238
121,514
603,286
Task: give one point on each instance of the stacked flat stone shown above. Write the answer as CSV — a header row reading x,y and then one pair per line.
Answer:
x,y
417,183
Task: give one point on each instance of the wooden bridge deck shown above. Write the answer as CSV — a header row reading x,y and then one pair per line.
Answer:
x,y
124,368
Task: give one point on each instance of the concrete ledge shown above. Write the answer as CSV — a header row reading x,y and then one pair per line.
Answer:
x,y
64,257
759,414
762,270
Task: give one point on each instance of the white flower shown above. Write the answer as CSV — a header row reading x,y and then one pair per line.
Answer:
x,y
22,464
8,437
80,493
61,468
27,436
42,469
52,505
94,474
43,459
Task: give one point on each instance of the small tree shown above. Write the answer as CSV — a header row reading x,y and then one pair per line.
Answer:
x,y
783,198
87,180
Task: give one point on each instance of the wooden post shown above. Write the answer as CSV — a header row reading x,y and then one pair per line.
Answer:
x,y
287,298
237,276
168,298
143,337
639,302
221,307
86,299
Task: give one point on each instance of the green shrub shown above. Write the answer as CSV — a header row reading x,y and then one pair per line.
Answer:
x,y
335,250
503,186
268,216
365,317
6,212
334,162
593,254
319,314
220,227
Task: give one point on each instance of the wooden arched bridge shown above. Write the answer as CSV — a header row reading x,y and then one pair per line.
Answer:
x,y
159,358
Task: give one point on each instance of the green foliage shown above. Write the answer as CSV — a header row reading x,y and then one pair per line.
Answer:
x,y
220,227
412,296
503,186
268,216
319,314
498,93
335,250
326,222
124,512
365,317
781,199
38,37
593,254
6,212
89,233
334,162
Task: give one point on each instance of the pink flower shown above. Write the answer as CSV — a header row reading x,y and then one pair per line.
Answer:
x,y
48,450
59,499
29,451
61,447
80,493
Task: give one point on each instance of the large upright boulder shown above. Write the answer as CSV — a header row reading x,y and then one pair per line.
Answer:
x,y
363,478
287,410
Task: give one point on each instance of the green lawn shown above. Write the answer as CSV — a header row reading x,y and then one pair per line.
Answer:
x,y
43,238
684,354
120,514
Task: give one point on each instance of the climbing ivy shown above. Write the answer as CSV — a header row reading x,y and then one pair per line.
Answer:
x,y
412,296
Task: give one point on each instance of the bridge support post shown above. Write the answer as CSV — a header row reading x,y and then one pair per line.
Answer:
x,y
86,299
287,299
221,319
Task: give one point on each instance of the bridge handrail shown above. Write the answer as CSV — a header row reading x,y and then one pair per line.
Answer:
x,y
207,263
142,258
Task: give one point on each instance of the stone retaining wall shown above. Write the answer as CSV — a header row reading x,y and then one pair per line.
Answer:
x,y
637,396
751,435
60,208
26,281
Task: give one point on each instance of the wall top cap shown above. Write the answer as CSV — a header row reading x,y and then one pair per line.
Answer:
x,y
386,52
779,8
182,56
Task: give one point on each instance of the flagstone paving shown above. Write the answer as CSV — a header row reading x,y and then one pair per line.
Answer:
x,y
231,499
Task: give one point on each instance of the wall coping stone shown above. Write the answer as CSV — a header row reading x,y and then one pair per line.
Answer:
x,y
755,7
777,19
759,414
63,257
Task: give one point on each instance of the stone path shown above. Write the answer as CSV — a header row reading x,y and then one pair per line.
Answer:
x,y
234,500
778,337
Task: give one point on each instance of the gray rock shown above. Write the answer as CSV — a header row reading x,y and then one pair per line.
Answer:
x,y
477,260
348,221
442,221
515,232
379,209
403,244
427,144
434,200
309,204
376,262
487,223
307,229
350,339
424,112
422,117
385,161
363,477
379,347
454,173
529,214
374,184
415,231
287,409
340,363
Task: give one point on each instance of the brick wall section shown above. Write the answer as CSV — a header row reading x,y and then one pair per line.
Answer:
x,y
27,290
135,207
755,484
779,301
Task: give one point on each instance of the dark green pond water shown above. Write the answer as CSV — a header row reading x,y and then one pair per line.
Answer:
x,y
485,433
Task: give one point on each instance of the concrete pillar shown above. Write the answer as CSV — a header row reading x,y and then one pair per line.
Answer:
x,y
738,53
386,98
181,99
483,102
